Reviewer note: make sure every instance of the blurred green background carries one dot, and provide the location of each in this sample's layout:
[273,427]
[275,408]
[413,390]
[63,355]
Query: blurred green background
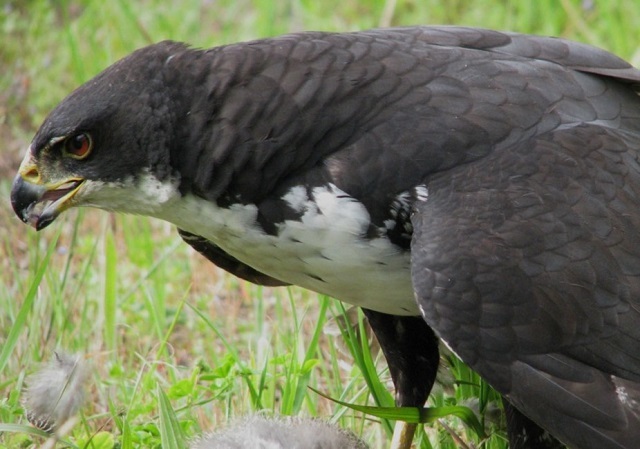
[152,316]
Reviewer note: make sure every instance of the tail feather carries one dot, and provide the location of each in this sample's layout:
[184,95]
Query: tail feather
[603,413]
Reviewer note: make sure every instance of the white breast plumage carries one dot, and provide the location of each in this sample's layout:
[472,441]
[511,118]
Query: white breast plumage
[325,250]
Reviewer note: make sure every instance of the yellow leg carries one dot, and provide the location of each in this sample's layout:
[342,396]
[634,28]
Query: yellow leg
[403,434]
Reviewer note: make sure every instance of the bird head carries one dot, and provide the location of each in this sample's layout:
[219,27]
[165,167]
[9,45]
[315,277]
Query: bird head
[103,137]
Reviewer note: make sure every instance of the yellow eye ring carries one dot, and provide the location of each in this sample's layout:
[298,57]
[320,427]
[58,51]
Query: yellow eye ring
[78,146]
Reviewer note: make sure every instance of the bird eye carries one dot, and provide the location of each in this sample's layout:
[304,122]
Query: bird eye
[78,146]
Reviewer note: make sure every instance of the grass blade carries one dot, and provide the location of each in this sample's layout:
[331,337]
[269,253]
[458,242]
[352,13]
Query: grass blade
[170,431]
[23,314]
[312,348]
[110,300]
[416,414]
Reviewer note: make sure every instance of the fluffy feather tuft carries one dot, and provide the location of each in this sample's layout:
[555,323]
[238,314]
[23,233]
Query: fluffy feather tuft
[56,392]
[259,432]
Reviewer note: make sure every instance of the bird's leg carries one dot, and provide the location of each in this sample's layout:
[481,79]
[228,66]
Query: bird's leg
[526,434]
[411,350]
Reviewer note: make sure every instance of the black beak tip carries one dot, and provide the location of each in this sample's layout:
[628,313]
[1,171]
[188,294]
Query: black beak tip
[43,222]
[17,198]
[24,196]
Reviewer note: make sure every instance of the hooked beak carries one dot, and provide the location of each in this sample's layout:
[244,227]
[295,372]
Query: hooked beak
[36,203]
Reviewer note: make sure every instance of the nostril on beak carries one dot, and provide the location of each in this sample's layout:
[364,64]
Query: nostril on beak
[31,174]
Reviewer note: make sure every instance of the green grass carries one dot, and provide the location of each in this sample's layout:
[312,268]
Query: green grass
[176,346]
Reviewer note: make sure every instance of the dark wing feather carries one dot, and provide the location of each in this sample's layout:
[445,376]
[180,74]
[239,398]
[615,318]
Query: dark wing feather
[527,263]
[312,108]
[228,263]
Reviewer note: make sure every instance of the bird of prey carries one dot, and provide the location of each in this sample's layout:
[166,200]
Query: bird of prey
[478,186]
